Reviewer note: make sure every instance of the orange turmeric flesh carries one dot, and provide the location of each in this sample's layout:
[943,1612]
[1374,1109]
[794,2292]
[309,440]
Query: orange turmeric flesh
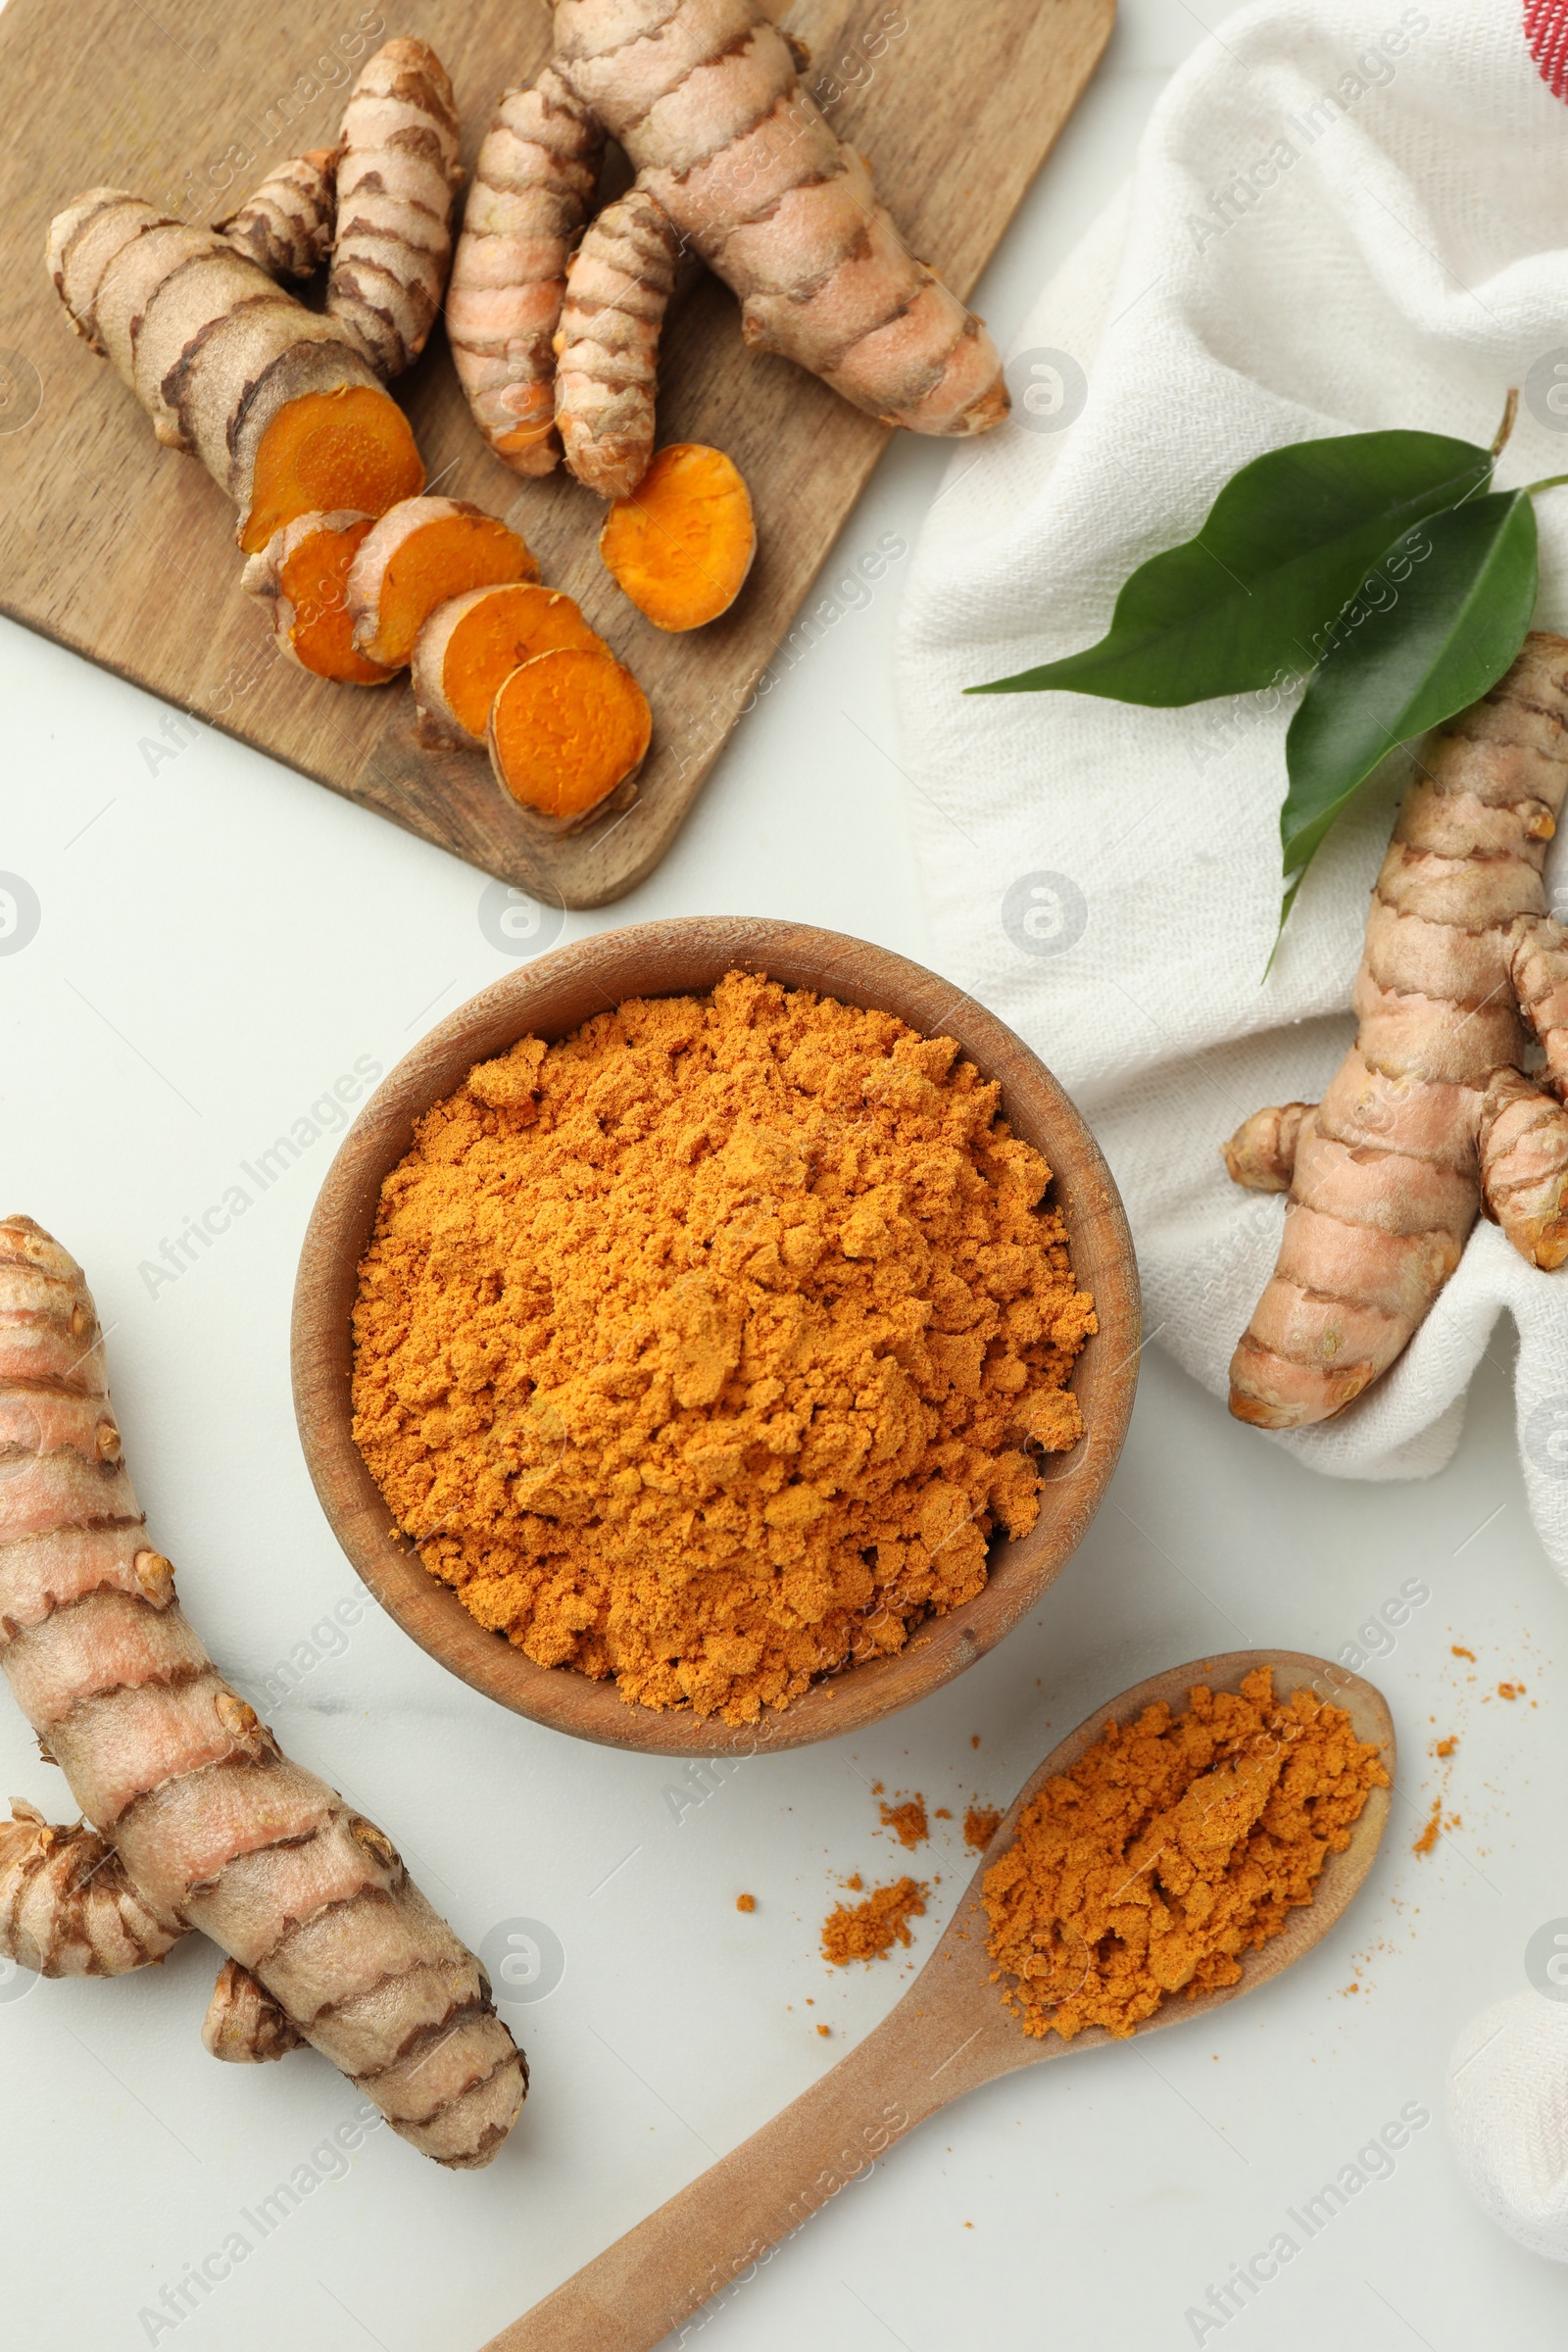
[501,629]
[567,728]
[325,450]
[404,574]
[682,544]
[1173,1846]
[315,579]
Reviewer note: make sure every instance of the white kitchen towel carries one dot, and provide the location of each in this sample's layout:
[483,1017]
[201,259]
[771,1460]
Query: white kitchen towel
[1508,2113]
[1338,222]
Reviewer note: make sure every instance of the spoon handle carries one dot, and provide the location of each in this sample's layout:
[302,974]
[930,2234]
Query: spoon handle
[714,2236]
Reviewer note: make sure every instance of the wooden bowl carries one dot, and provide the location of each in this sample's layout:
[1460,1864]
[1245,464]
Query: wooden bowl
[548,998]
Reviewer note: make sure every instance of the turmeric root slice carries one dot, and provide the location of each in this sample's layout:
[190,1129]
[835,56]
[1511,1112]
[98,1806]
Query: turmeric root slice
[681,546]
[421,553]
[567,729]
[304,571]
[328,451]
[472,644]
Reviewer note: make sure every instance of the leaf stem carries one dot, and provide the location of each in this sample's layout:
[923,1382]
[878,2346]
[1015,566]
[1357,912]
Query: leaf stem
[1552,481]
[1510,411]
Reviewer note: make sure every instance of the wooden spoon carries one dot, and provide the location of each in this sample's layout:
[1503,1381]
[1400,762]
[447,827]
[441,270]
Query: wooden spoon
[948,2034]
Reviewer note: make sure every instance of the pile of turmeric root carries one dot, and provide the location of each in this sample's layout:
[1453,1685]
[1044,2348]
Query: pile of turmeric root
[554,320]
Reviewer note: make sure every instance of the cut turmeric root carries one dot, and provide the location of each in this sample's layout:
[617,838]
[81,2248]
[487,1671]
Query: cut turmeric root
[421,553]
[326,451]
[472,644]
[283,405]
[279,403]
[566,730]
[304,570]
[682,544]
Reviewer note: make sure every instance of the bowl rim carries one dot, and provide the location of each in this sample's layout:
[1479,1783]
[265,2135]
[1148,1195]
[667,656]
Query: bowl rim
[550,996]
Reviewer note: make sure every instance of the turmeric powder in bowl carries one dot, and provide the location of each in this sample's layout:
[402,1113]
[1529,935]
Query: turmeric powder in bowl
[1173,1846]
[706,1348]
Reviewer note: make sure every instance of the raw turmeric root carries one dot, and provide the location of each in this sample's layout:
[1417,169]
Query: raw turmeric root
[396,177]
[1262,1153]
[198,1820]
[617,286]
[421,554]
[304,571]
[704,97]
[244,2026]
[67,1908]
[280,404]
[533,186]
[286,226]
[1431,1116]
[566,730]
[472,644]
[682,544]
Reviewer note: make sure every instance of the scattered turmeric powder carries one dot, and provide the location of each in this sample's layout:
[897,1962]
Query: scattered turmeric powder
[746,1903]
[1510,1689]
[868,1931]
[1445,1748]
[1429,1836]
[1171,1846]
[706,1349]
[907,1822]
[980,1825]
[1458,1649]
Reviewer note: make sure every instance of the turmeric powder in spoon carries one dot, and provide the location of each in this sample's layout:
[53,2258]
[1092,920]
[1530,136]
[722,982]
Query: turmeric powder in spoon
[1174,1844]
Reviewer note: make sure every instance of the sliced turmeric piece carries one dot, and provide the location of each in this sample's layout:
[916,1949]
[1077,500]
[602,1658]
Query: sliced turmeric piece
[473,642]
[682,544]
[421,553]
[230,367]
[304,571]
[565,730]
[325,450]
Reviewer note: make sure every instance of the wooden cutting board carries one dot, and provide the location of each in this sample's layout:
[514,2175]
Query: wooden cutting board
[124,551]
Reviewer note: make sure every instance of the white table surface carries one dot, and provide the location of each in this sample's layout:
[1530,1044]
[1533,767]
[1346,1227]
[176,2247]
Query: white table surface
[220,940]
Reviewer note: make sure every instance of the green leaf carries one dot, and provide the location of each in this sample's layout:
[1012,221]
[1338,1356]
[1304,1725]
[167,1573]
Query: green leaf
[1287,543]
[1432,630]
